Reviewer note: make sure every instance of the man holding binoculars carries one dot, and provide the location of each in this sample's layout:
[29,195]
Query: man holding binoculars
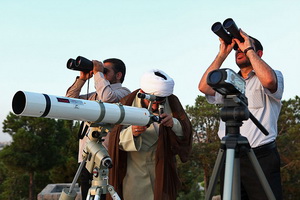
[108,79]
[264,89]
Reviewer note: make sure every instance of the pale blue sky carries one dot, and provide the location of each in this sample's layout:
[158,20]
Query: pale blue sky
[38,37]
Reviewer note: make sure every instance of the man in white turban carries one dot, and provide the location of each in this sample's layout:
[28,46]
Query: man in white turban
[144,156]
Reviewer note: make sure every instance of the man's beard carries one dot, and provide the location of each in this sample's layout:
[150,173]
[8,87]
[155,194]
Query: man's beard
[114,80]
[244,64]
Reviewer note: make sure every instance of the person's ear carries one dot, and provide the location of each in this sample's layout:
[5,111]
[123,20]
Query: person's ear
[119,75]
[259,53]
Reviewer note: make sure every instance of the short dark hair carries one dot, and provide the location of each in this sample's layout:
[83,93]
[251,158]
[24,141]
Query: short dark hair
[119,66]
[257,44]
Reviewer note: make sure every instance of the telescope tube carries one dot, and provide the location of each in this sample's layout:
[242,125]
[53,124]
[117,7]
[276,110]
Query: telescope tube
[50,106]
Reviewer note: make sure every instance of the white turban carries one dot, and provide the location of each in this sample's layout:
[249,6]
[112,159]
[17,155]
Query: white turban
[157,82]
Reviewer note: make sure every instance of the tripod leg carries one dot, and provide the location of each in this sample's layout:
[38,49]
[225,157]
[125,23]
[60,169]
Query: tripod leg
[88,196]
[236,189]
[228,181]
[260,174]
[114,195]
[215,174]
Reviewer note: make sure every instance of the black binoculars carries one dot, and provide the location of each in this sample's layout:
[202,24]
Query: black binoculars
[227,31]
[80,64]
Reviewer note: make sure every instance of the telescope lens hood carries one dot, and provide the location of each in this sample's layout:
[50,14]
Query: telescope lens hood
[19,102]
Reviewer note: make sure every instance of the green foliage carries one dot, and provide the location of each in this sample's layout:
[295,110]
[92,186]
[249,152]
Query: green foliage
[205,121]
[15,186]
[39,145]
[289,147]
[36,144]
[65,172]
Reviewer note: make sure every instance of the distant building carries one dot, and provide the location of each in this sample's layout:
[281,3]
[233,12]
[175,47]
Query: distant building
[3,144]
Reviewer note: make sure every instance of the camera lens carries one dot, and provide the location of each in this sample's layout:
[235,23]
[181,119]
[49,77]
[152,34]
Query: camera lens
[214,77]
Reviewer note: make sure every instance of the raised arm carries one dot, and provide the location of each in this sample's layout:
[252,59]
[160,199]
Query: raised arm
[216,64]
[263,71]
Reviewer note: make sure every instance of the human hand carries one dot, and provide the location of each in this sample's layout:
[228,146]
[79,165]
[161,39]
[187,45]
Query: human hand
[225,48]
[167,120]
[137,130]
[247,43]
[98,66]
[85,75]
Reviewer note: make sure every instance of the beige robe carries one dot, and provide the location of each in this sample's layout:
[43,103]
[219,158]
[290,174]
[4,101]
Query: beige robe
[139,180]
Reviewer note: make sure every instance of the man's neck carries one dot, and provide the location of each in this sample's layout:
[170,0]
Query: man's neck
[245,71]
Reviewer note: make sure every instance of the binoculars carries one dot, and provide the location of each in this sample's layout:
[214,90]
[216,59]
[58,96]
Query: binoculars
[80,64]
[227,31]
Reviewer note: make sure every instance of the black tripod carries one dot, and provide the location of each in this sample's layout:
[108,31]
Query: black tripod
[233,113]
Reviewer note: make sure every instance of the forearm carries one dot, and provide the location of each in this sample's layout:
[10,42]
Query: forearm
[104,90]
[177,128]
[263,71]
[216,64]
[128,142]
[74,90]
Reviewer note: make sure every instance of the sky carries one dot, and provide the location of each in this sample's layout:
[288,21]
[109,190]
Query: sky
[38,38]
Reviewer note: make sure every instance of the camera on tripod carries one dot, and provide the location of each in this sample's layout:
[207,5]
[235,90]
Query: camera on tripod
[226,82]
[232,86]
[227,31]
[233,113]
[81,64]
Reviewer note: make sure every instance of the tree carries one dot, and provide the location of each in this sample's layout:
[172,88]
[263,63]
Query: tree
[205,121]
[70,153]
[289,147]
[36,145]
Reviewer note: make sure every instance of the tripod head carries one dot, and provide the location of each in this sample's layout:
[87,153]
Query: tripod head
[234,112]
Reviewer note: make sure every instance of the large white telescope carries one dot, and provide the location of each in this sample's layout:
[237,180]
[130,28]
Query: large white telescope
[58,107]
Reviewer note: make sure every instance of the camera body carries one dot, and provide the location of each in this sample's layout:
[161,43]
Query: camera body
[226,82]
[227,31]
